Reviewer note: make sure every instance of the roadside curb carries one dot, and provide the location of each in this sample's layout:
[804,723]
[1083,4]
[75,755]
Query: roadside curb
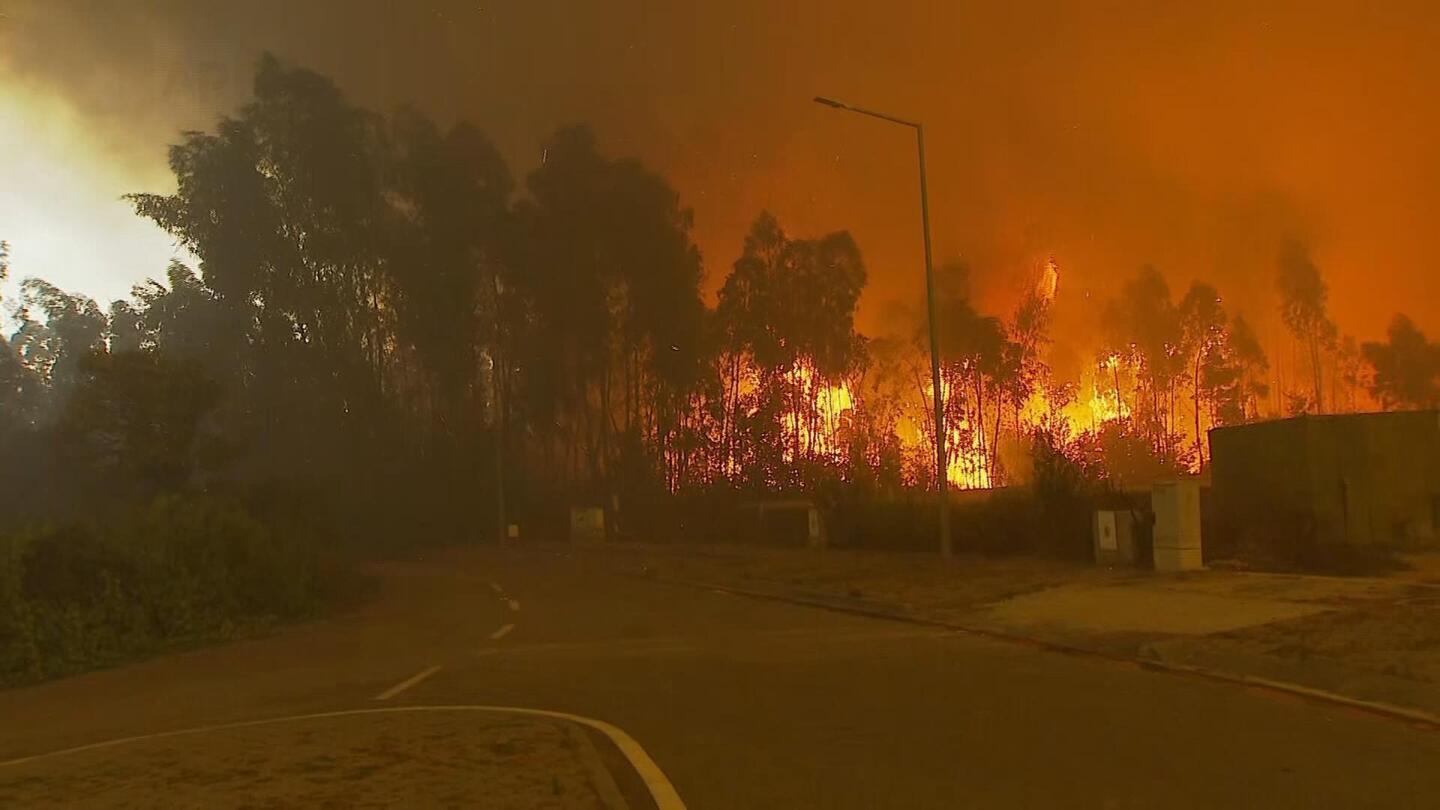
[1413,717]
[601,778]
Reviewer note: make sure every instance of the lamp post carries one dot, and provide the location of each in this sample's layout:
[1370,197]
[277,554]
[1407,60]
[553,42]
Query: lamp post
[940,466]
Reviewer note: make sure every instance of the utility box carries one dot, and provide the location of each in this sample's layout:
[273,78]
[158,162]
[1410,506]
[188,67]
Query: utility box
[815,528]
[587,524]
[1115,542]
[1177,525]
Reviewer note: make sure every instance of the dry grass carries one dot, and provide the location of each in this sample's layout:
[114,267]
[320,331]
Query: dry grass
[425,759]
[1399,637]
[1389,625]
[914,581]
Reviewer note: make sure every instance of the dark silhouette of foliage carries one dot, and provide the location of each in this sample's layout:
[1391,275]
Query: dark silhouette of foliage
[74,326]
[616,342]
[16,382]
[1145,329]
[1246,353]
[284,206]
[1303,308]
[136,422]
[1406,367]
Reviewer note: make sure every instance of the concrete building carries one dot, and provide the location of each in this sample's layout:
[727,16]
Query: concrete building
[1367,478]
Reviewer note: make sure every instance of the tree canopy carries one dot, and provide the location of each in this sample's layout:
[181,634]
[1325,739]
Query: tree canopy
[1406,367]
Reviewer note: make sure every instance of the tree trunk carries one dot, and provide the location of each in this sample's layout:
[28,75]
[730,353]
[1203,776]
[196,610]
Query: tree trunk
[1199,449]
[995,453]
[604,454]
[1119,403]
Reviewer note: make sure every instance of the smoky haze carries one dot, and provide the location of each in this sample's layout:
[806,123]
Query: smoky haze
[1195,137]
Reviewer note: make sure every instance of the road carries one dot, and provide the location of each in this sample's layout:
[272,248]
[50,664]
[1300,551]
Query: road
[755,704]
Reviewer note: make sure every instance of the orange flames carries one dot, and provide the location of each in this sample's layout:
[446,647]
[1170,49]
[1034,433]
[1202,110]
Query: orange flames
[818,425]
[987,435]
[1049,282]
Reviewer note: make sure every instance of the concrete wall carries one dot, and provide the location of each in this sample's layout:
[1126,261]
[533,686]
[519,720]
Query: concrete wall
[1364,478]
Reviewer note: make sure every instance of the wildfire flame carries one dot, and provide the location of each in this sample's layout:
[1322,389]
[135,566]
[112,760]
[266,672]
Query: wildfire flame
[819,430]
[820,412]
[1049,282]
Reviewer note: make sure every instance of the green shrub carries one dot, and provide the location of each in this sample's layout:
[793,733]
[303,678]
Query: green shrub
[65,603]
[209,564]
[18,649]
[178,569]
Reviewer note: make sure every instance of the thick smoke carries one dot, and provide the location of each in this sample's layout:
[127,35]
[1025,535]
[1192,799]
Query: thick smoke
[1194,137]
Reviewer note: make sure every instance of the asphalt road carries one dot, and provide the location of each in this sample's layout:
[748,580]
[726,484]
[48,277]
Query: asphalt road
[755,704]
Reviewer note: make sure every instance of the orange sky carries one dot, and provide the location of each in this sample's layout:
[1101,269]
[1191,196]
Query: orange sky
[1192,136]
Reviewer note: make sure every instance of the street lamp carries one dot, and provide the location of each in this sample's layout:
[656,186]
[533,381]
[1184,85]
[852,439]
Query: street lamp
[940,471]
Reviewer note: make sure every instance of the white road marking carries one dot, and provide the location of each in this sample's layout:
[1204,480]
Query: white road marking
[407,683]
[655,781]
[502,632]
[513,604]
[608,649]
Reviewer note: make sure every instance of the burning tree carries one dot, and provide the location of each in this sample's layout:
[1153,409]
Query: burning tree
[790,352]
[976,360]
[1164,359]
[1146,334]
[1202,324]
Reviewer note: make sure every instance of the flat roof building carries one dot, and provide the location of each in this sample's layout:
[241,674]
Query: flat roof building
[1365,478]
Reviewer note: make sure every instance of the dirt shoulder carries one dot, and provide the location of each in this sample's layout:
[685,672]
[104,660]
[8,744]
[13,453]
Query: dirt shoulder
[1375,639]
[941,587]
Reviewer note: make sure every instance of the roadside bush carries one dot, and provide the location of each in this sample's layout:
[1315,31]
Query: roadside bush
[1068,486]
[1051,516]
[1006,522]
[178,569]
[207,565]
[887,524]
[18,648]
[996,522]
[709,515]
